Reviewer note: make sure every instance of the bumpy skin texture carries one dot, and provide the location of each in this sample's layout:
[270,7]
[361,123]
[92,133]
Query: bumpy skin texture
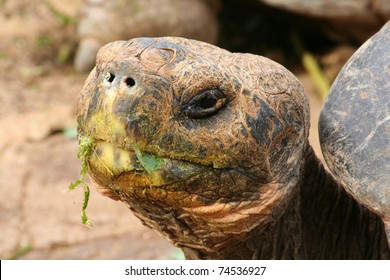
[233,174]
[355,125]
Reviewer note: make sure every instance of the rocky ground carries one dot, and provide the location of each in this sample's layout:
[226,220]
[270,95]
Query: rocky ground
[38,148]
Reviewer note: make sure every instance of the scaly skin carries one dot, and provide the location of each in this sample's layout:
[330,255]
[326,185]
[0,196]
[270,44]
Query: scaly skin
[233,173]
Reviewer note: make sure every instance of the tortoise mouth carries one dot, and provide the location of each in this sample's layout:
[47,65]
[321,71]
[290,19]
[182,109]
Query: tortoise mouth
[111,165]
[217,198]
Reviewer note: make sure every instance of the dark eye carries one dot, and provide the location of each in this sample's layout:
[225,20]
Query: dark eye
[205,104]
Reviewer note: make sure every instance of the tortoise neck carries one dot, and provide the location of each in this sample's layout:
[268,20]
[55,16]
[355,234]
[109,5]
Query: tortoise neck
[279,238]
[321,221]
[282,237]
[334,225]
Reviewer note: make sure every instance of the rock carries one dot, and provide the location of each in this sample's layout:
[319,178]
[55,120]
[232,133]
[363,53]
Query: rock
[103,21]
[354,20]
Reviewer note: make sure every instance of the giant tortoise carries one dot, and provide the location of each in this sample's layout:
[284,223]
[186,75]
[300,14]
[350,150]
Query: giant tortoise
[210,148]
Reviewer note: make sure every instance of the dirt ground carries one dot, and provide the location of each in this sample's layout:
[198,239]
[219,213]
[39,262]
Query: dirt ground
[38,148]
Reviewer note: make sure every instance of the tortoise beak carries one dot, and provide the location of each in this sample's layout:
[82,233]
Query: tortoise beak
[110,165]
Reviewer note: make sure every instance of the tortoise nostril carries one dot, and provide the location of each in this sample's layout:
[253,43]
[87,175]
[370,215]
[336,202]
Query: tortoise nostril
[110,77]
[130,82]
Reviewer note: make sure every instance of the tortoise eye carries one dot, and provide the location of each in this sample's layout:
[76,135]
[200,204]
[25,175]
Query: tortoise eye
[205,104]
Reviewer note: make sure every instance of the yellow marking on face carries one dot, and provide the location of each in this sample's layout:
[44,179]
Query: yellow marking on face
[111,161]
[103,123]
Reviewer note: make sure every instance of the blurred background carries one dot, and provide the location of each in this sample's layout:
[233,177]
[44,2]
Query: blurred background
[47,48]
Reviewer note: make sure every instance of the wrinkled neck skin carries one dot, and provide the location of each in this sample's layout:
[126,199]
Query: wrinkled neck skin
[321,222]
[278,239]
[334,225]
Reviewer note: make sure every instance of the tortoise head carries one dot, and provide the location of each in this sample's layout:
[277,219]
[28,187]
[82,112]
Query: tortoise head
[202,144]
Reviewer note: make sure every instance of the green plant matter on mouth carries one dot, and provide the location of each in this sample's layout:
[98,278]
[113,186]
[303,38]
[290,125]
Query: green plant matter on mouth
[86,144]
[149,162]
